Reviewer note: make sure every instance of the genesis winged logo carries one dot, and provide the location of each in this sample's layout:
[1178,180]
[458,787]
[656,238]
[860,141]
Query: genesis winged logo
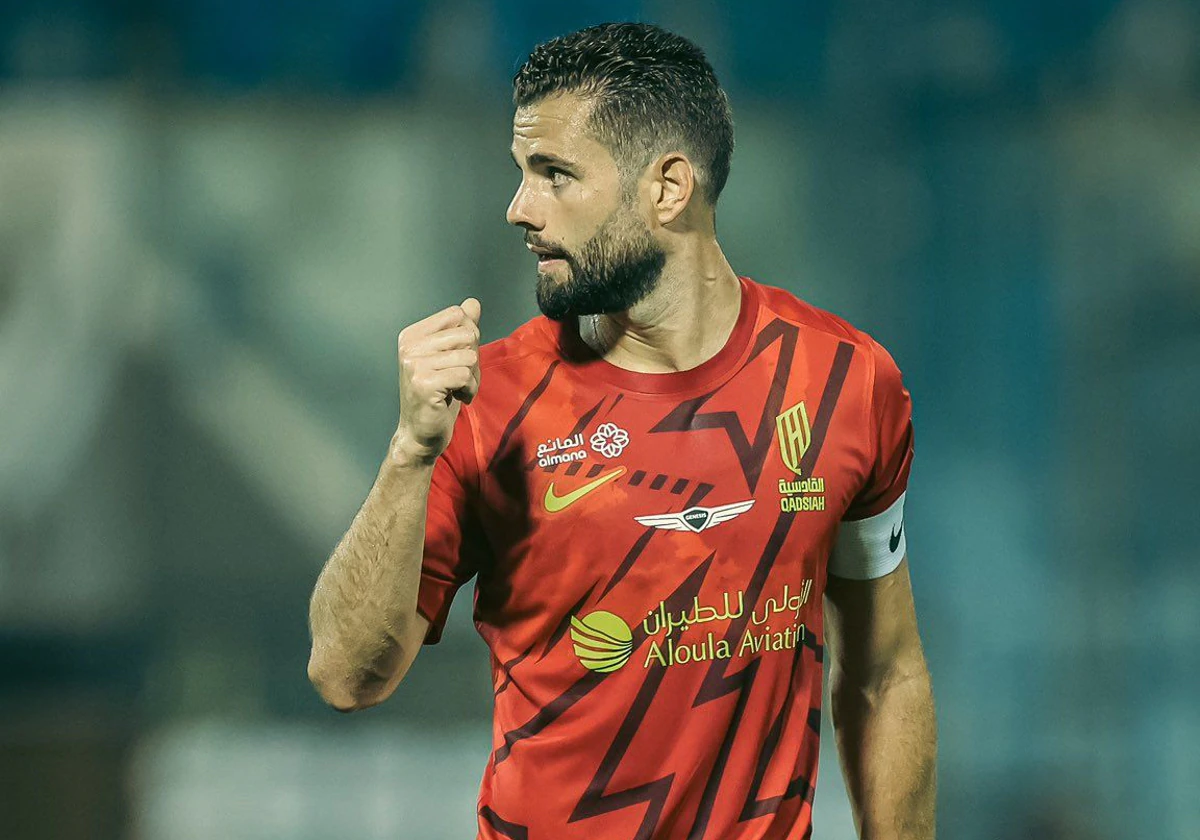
[696,519]
[795,435]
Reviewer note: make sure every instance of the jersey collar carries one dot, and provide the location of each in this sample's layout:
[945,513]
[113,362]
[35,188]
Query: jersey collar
[709,373]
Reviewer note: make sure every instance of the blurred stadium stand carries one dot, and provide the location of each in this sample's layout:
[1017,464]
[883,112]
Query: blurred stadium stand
[215,217]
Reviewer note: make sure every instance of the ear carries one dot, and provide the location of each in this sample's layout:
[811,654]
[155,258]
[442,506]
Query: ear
[673,186]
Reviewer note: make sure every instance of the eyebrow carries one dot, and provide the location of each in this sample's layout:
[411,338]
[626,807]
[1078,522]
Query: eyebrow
[543,159]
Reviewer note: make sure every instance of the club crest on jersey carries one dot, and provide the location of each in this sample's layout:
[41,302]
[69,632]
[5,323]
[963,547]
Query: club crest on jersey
[610,440]
[696,519]
[795,435]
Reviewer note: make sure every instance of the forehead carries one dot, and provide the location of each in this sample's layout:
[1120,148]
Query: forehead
[559,125]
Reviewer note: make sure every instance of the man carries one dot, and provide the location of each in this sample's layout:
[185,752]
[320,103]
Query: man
[655,487]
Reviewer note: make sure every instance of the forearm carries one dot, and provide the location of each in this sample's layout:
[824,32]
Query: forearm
[367,593]
[887,739]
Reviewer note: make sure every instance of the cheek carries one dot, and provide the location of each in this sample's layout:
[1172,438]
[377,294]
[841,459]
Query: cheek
[592,210]
[578,213]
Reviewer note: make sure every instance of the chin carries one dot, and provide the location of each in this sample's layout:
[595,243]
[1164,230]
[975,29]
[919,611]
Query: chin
[560,270]
[553,279]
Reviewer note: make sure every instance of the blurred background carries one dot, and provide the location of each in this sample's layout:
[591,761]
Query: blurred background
[215,217]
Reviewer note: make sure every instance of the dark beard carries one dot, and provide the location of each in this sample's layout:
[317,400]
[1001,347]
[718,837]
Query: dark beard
[612,272]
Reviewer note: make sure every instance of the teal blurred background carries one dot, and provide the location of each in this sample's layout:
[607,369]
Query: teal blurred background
[215,216]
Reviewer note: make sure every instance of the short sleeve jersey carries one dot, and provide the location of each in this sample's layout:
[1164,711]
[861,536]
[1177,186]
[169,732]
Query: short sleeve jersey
[650,553]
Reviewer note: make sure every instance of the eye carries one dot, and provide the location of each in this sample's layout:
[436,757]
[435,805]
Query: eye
[558,178]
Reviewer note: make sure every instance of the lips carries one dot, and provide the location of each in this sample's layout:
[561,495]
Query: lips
[546,253]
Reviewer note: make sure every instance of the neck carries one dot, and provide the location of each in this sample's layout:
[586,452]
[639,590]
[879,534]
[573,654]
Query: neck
[683,323]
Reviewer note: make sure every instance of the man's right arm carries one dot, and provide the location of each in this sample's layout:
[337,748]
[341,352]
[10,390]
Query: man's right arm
[366,630]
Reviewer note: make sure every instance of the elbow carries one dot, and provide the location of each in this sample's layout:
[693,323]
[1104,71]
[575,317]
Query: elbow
[853,696]
[342,690]
[351,678]
[333,688]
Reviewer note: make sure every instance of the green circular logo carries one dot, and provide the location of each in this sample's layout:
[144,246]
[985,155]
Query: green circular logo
[603,641]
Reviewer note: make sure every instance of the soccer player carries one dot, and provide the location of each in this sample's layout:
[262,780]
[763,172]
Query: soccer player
[676,491]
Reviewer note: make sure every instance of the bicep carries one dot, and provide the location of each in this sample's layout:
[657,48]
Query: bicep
[871,625]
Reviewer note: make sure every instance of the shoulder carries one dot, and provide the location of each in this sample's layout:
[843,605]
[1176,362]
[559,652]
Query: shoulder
[533,342]
[513,368]
[792,309]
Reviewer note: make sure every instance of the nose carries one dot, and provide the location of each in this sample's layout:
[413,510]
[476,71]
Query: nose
[520,210]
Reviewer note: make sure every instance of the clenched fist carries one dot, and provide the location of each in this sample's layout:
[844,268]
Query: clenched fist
[439,371]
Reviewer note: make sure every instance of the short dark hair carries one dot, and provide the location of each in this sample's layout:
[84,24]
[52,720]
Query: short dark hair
[652,91]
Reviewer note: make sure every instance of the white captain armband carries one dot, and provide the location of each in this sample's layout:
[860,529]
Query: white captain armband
[872,547]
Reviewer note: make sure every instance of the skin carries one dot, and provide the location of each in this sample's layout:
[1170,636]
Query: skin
[366,630]
[881,699]
[570,184]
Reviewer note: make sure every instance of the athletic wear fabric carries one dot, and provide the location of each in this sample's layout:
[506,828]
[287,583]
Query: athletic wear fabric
[650,552]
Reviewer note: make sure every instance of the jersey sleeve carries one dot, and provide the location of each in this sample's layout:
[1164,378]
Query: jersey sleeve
[871,540]
[454,544]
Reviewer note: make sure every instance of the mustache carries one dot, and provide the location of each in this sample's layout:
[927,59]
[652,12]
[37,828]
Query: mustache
[556,250]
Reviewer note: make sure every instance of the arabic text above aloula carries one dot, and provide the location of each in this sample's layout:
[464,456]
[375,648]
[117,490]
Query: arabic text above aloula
[661,618]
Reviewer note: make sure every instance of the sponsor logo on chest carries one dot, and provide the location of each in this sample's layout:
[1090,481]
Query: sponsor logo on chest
[696,519]
[603,641]
[608,440]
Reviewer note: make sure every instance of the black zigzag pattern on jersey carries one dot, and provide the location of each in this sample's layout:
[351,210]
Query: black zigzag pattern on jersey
[801,785]
[595,802]
[555,709]
[503,826]
[751,454]
[717,683]
[546,715]
[517,419]
[561,630]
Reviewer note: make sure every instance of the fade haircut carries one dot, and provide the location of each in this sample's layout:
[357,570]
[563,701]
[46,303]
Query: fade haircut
[652,91]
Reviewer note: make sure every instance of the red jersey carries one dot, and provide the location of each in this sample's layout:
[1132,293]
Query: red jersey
[650,553]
